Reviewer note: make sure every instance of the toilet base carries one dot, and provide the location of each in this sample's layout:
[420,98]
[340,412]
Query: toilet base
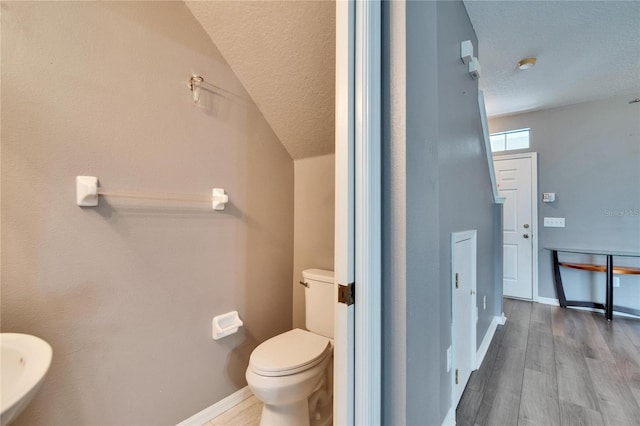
[286,415]
[296,415]
[324,416]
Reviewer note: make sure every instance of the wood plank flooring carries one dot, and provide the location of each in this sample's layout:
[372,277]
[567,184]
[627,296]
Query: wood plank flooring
[552,366]
[247,413]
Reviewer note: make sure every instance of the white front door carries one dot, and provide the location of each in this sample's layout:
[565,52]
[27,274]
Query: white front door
[463,283]
[515,181]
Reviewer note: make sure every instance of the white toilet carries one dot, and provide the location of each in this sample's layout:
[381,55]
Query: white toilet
[292,373]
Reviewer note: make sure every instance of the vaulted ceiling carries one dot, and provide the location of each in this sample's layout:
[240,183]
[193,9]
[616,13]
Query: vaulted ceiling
[283,52]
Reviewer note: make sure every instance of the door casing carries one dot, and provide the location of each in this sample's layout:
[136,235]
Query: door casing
[358,327]
[533,156]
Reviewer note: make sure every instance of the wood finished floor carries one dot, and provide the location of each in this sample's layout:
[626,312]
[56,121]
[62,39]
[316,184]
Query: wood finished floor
[247,413]
[552,366]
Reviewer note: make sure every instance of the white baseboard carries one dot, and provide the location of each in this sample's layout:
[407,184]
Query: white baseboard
[218,408]
[450,419]
[486,341]
[502,319]
[548,301]
[554,302]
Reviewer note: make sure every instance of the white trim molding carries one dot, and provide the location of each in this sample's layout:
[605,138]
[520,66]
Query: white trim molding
[218,408]
[486,341]
[502,319]
[368,220]
[344,253]
[548,301]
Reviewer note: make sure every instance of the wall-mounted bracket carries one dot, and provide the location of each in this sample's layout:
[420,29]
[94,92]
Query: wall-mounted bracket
[474,68]
[87,191]
[466,51]
[219,198]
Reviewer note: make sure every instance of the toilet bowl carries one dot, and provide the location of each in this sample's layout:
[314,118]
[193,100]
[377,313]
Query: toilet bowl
[291,374]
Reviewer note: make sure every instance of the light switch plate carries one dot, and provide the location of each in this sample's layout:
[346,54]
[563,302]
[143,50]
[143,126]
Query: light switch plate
[554,222]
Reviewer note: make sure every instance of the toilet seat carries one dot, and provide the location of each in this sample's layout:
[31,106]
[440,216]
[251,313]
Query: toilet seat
[289,353]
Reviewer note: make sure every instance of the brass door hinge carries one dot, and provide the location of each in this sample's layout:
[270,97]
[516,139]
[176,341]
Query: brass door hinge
[346,294]
[456,280]
[456,376]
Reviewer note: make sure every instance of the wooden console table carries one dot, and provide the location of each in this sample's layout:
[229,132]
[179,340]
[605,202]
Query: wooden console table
[609,269]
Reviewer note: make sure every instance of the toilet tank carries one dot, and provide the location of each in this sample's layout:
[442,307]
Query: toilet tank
[318,300]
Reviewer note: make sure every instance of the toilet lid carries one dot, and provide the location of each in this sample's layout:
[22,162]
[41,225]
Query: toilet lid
[289,353]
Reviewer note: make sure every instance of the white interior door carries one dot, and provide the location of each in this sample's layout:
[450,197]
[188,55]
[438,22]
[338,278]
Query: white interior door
[344,264]
[464,309]
[515,182]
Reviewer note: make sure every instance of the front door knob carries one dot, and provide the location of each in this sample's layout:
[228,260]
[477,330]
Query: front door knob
[525,236]
[526,226]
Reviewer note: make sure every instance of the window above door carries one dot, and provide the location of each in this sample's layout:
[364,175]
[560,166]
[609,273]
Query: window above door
[509,141]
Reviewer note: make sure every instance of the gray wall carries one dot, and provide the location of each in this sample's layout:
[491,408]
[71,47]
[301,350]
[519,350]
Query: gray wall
[589,155]
[443,174]
[125,292]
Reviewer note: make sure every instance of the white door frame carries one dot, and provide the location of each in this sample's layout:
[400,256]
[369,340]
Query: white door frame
[455,238]
[344,253]
[368,222]
[533,156]
[358,360]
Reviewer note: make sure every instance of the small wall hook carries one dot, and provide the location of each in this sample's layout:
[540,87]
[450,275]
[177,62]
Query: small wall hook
[194,84]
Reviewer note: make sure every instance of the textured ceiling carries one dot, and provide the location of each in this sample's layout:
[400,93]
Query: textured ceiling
[284,54]
[586,50]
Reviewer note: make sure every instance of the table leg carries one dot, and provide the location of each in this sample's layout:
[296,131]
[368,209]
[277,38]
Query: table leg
[609,302]
[558,280]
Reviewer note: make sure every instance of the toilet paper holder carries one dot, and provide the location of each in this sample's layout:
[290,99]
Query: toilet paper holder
[226,324]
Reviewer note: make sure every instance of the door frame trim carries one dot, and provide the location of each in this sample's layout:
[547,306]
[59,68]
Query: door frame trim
[368,214]
[533,156]
[358,210]
[457,237]
[344,254]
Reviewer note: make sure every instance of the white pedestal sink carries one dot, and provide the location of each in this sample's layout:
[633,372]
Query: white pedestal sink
[24,361]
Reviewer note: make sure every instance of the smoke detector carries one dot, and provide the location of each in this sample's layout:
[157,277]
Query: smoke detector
[526,63]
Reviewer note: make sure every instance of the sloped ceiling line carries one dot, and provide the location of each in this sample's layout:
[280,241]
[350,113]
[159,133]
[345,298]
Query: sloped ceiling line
[283,52]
